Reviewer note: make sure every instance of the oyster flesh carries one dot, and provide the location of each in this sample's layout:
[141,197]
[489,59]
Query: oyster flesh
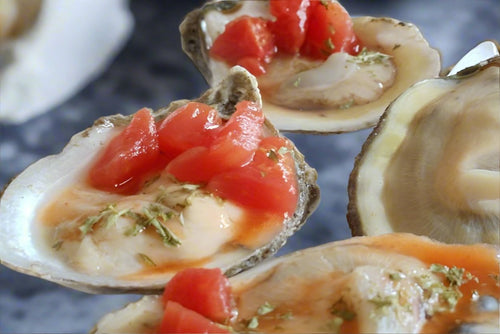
[396,283]
[341,94]
[49,215]
[431,166]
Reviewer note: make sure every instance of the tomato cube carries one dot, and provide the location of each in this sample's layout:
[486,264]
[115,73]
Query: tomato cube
[245,38]
[178,319]
[129,157]
[205,291]
[330,30]
[289,26]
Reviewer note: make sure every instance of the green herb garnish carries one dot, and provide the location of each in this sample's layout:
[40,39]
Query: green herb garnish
[369,57]
[146,259]
[108,215]
[265,308]
[341,310]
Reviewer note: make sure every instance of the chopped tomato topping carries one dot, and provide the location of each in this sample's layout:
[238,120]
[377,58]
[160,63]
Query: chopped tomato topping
[245,39]
[330,30]
[194,124]
[129,158]
[268,183]
[289,27]
[233,147]
[178,319]
[205,291]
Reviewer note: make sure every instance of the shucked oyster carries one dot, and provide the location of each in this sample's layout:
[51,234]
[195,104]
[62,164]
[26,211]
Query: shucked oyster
[55,226]
[342,93]
[431,166]
[396,283]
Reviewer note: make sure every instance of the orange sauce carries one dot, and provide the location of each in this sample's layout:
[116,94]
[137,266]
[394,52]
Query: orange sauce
[482,261]
[165,268]
[256,228]
[59,210]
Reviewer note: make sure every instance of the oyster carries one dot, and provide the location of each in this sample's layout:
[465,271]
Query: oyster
[17,17]
[33,77]
[27,217]
[396,283]
[431,166]
[343,93]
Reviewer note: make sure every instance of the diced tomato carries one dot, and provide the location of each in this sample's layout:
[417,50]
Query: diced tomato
[129,157]
[268,183]
[253,65]
[330,30]
[245,38]
[194,124]
[205,291]
[233,147]
[178,319]
[289,27]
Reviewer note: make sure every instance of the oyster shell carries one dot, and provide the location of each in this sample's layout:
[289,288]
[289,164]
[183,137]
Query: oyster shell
[431,166]
[396,283]
[33,77]
[24,249]
[406,52]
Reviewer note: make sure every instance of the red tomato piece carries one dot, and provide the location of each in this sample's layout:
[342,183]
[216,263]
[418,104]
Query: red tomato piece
[245,37]
[194,124]
[205,291]
[289,28]
[178,319]
[268,183]
[330,30]
[253,65]
[233,147]
[129,157]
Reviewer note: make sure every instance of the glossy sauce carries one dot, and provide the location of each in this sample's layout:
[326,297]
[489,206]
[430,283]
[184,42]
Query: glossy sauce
[309,301]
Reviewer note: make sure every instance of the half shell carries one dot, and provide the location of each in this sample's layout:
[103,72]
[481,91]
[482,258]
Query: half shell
[410,54]
[396,283]
[431,166]
[22,249]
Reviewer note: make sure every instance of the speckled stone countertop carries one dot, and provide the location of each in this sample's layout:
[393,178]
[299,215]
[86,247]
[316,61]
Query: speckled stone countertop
[151,71]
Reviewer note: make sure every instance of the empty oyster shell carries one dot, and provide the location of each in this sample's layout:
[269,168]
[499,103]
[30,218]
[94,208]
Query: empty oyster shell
[407,58]
[396,283]
[25,249]
[431,166]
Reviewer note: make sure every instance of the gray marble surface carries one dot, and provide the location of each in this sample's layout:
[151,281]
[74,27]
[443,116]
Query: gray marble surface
[151,71]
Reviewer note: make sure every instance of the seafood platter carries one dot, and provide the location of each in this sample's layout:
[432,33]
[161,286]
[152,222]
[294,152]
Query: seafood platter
[188,205]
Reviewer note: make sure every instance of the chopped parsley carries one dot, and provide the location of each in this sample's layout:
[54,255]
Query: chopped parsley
[153,216]
[341,310]
[369,57]
[57,245]
[264,312]
[381,302]
[146,259]
[455,276]
[265,308]
[108,215]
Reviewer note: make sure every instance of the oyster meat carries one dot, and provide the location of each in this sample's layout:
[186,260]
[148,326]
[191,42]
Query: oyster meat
[57,227]
[344,92]
[431,166]
[395,283]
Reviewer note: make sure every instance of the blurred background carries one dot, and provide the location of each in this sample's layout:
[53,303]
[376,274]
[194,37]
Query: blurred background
[151,70]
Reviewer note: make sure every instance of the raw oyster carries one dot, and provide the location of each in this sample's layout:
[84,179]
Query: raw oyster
[33,77]
[23,247]
[338,95]
[396,283]
[431,166]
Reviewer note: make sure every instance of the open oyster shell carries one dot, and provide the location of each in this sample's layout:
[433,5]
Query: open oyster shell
[431,166]
[396,283]
[408,51]
[21,247]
